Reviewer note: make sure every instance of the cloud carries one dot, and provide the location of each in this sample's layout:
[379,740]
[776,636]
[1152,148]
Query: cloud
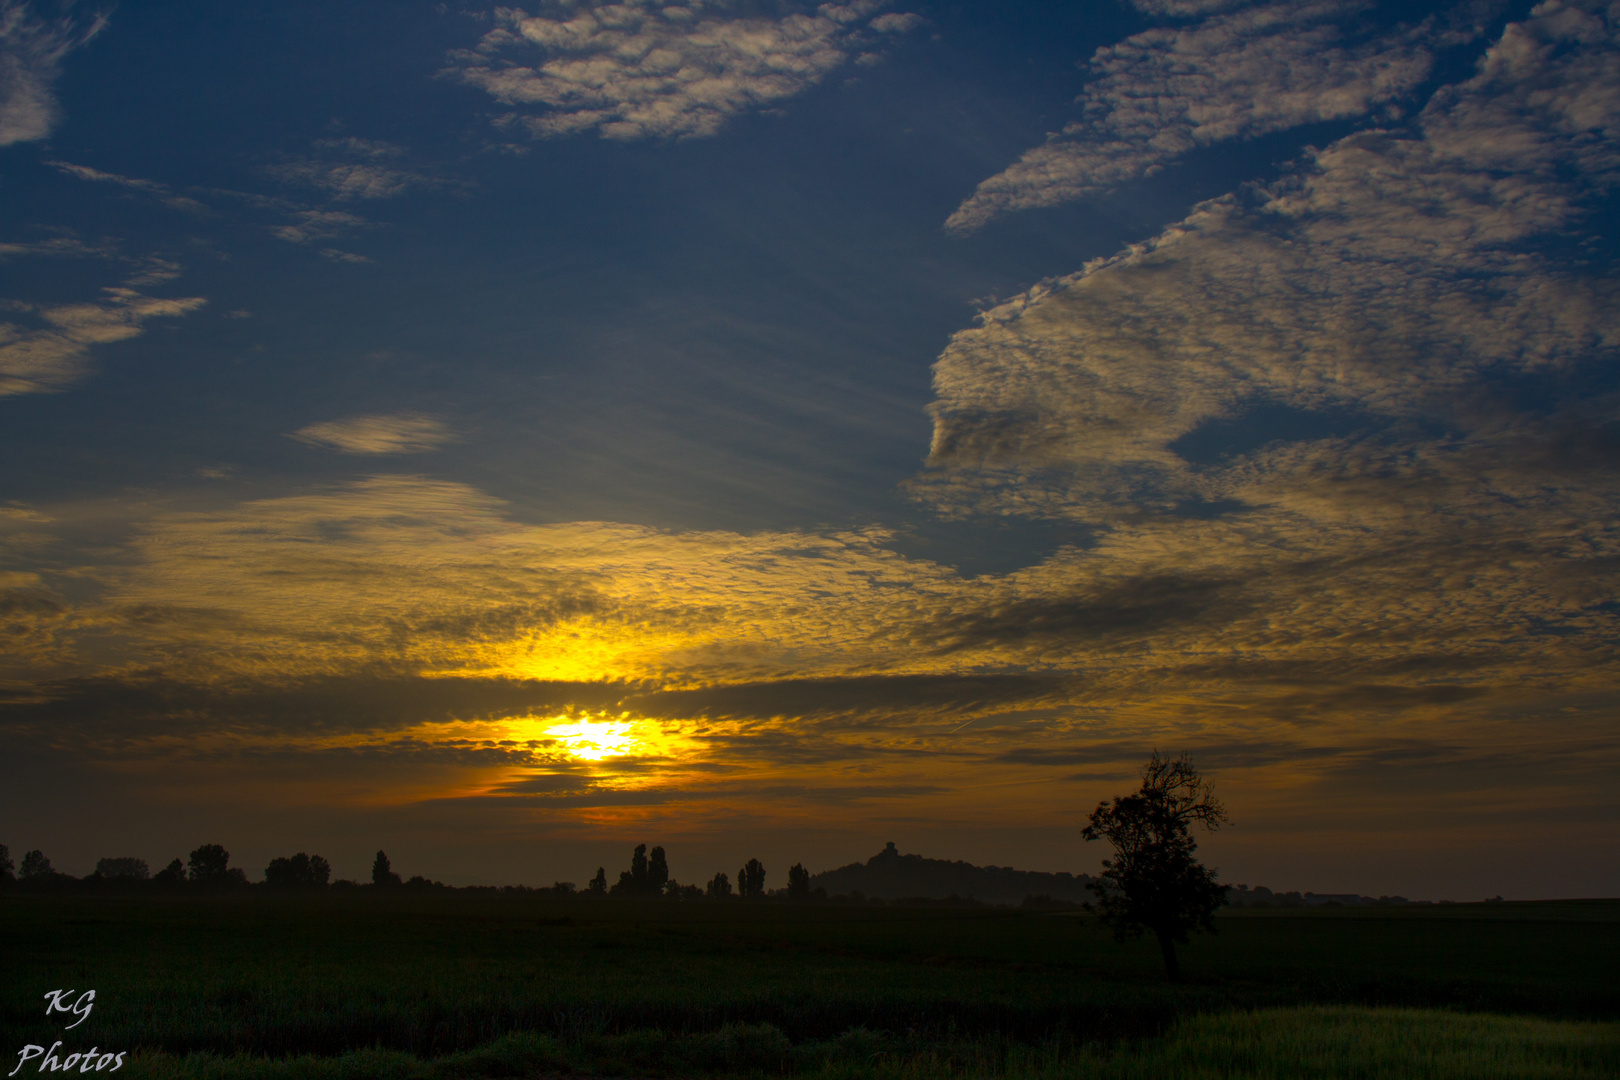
[1182,9]
[869,695]
[414,641]
[1234,76]
[162,192]
[898,23]
[352,168]
[128,704]
[51,351]
[641,69]
[1410,551]
[32,620]
[393,433]
[1367,310]
[1394,276]
[54,353]
[310,225]
[31,52]
[59,247]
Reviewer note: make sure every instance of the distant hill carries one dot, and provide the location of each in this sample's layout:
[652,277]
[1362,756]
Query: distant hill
[889,875]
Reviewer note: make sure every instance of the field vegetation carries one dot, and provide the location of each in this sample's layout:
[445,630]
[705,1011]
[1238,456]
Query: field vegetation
[363,983]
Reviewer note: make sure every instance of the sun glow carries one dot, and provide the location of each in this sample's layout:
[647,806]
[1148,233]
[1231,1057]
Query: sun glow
[594,740]
[597,738]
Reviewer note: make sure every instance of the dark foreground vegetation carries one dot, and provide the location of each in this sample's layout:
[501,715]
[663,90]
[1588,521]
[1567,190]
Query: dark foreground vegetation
[401,984]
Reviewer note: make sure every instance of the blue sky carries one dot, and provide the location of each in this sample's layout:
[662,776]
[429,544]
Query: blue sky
[859,418]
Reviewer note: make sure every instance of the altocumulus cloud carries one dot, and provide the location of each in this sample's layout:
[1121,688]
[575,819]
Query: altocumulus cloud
[1395,276]
[1235,75]
[31,52]
[640,69]
[387,433]
[1379,297]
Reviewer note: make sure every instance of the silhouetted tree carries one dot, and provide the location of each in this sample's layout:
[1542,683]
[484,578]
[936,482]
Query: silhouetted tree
[209,865]
[382,872]
[123,868]
[1153,883]
[7,867]
[35,865]
[798,882]
[657,872]
[598,884]
[638,869]
[300,871]
[648,875]
[634,880]
[719,888]
[173,874]
[751,880]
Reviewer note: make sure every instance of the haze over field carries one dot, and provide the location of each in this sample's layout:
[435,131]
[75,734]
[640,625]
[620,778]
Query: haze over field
[506,435]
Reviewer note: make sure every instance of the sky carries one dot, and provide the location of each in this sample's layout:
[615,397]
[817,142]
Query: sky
[505,435]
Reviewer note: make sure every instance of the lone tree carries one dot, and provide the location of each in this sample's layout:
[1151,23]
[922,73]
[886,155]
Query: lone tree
[1153,883]
[798,882]
[598,885]
[35,865]
[719,887]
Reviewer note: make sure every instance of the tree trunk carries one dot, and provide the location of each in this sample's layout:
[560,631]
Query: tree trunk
[1167,945]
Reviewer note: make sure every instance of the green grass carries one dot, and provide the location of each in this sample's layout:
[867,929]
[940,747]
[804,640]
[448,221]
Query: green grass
[414,986]
[1327,1043]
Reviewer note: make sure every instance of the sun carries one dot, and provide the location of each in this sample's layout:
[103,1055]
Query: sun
[593,740]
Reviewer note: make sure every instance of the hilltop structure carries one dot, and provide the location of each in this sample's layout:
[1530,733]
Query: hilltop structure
[889,875]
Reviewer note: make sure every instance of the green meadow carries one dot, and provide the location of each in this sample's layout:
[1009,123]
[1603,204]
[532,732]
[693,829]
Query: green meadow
[459,985]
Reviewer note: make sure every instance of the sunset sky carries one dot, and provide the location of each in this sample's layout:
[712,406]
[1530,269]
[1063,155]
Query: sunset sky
[503,435]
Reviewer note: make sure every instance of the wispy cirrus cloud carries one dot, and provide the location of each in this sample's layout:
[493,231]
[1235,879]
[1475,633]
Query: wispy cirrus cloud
[641,69]
[1233,76]
[1183,9]
[53,353]
[384,433]
[50,351]
[310,225]
[59,247]
[31,50]
[162,192]
[351,168]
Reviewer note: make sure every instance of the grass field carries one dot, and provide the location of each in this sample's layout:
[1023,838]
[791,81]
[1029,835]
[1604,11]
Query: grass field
[463,985]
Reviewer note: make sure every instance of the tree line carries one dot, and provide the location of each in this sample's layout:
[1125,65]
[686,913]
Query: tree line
[648,878]
[209,867]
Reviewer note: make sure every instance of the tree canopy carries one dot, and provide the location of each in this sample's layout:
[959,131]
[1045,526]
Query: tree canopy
[1153,882]
[299,871]
[751,880]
